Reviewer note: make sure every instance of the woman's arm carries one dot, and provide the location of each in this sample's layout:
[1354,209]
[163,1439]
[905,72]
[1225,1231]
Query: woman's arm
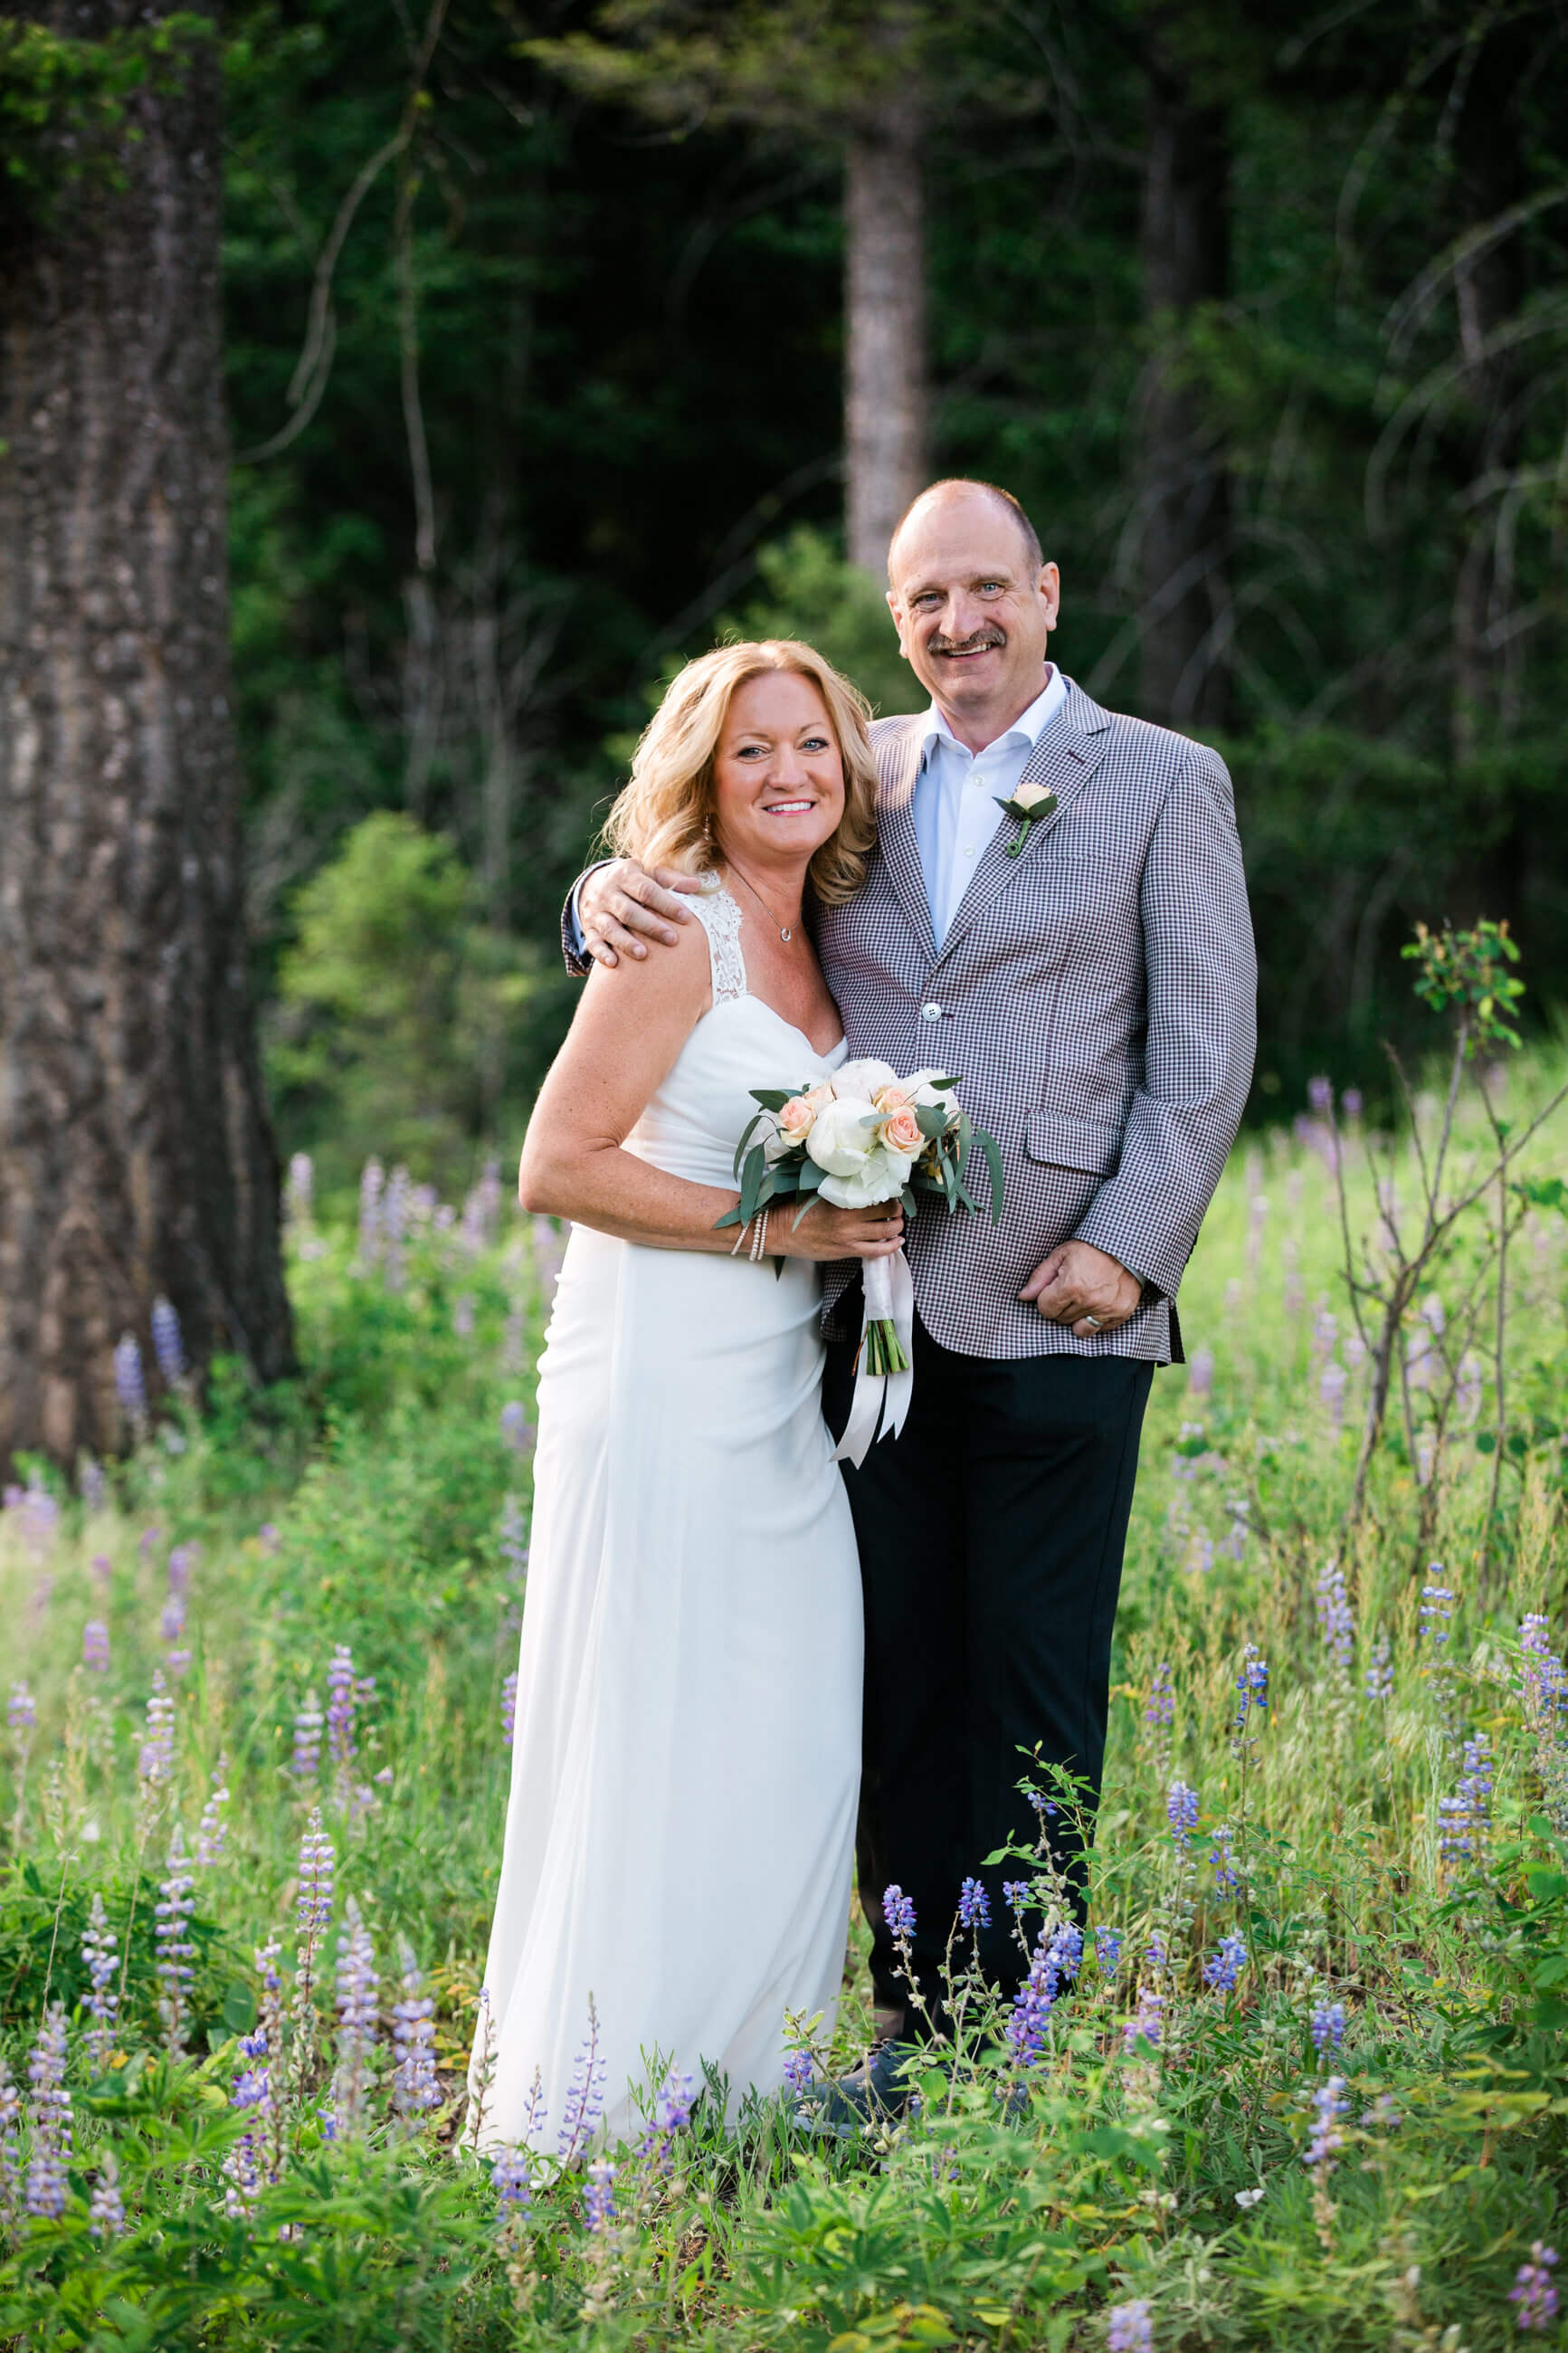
[628,1031]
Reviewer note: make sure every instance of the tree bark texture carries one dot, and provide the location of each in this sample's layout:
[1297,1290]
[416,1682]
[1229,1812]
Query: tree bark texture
[885,392]
[1182,487]
[135,1152]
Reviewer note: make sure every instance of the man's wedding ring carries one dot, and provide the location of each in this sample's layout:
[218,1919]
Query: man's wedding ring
[1094,1323]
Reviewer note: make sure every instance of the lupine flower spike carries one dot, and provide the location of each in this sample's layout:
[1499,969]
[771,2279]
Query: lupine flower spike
[1534,2292]
[358,2021]
[1129,2329]
[414,2084]
[50,2115]
[172,1915]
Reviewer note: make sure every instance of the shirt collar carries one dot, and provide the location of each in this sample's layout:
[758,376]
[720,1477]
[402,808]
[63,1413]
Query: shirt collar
[1027,728]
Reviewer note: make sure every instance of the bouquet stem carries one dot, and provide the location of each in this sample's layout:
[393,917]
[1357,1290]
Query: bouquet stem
[884,1349]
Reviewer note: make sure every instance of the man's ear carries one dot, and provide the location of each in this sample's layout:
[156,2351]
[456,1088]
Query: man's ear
[893,609]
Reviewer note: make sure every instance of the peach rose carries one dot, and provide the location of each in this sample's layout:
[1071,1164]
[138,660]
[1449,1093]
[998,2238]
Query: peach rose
[902,1132]
[796,1116]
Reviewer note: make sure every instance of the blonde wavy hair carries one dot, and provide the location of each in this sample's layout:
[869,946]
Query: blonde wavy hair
[665,814]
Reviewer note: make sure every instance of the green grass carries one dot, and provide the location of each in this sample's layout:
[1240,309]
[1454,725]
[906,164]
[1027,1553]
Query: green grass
[366,1508]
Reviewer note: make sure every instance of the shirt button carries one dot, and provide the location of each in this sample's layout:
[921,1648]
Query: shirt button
[930,1013]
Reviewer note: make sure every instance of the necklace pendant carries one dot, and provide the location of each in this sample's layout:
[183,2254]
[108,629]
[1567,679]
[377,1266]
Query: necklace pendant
[785,933]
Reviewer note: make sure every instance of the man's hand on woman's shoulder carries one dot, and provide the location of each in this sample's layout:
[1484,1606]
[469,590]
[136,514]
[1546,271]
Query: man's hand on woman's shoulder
[621,907]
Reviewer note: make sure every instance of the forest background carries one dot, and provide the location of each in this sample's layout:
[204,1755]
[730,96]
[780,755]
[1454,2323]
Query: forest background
[1260,311]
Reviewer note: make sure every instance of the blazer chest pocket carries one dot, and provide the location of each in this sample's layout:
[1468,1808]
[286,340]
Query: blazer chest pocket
[1058,1140]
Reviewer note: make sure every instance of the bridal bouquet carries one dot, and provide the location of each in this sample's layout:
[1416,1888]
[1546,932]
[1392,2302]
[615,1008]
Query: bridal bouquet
[861,1137]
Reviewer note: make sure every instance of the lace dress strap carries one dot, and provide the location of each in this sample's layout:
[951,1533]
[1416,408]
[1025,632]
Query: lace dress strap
[720,916]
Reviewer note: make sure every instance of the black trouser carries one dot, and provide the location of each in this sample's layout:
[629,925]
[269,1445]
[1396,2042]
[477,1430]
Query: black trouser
[990,1537]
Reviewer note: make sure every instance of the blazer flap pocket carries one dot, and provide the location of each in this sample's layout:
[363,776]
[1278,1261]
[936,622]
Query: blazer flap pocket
[1060,1141]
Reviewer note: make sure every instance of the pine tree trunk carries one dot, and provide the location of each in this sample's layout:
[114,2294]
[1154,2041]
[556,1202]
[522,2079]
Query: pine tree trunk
[135,1153]
[1184,490]
[885,393]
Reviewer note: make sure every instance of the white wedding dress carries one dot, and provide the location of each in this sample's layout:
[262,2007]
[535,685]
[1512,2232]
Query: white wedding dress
[687,1752]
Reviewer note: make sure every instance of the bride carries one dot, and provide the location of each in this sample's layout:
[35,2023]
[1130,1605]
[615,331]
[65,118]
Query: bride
[687,1751]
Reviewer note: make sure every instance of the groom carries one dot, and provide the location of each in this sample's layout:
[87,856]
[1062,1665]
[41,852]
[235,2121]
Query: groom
[1092,988]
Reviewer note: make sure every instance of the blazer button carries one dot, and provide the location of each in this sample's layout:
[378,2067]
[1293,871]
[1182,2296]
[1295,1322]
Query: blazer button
[930,1013]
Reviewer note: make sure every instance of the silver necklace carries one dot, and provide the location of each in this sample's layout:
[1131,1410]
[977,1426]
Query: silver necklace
[785,931]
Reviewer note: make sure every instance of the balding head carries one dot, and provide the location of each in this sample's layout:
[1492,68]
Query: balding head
[957,490]
[974,606]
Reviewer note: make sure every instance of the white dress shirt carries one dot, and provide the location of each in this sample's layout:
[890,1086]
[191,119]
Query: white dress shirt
[955,807]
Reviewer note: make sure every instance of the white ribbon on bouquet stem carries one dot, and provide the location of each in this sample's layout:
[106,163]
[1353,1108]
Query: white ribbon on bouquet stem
[882,1397]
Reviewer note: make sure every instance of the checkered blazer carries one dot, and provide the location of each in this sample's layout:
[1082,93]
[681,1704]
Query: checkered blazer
[1096,997]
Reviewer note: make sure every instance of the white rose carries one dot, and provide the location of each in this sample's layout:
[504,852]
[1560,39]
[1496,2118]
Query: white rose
[882,1178]
[1029,796]
[841,1140]
[863,1078]
[921,1089]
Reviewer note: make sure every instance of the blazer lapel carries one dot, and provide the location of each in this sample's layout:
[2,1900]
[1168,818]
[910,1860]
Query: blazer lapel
[897,766]
[1064,760]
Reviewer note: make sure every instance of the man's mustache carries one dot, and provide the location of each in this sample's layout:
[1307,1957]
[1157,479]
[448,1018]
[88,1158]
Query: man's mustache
[981,638]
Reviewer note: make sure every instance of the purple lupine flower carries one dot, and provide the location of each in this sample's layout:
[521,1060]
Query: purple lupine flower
[106,2209]
[1328,2107]
[147,1543]
[1129,2328]
[21,1711]
[672,2113]
[1382,2113]
[1182,1813]
[1015,1894]
[516,1429]
[1029,2020]
[1332,1383]
[306,1761]
[512,1541]
[167,1345]
[183,1560]
[974,1906]
[1328,2026]
[1336,1620]
[299,1192]
[599,2199]
[156,1762]
[358,2020]
[340,1704]
[584,2096]
[1437,1611]
[178,1663]
[1465,1818]
[38,1513]
[1159,1708]
[1222,1860]
[212,1831]
[1225,1965]
[1540,1670]
[95,1646]
[312,1911]
[241,2171]
[130,1385]
[898,1912]
[1200,1372]
[171,1623]
[1145,2021]
[1251,1692]
[103,1569]
[1156,1955]
[1379,1683]
[509,1710]
[1534,2291]
[50,2117]
[371,1186]
[509,2178]
[93,1485]
[414,2084]
[798,2070]
[1107,1951]
[1321,1096]
[1351,1103]
[171,1917]
[10,2144]
[98,1950]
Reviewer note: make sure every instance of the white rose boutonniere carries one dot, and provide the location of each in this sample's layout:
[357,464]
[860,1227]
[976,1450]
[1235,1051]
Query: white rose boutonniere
[1028,805]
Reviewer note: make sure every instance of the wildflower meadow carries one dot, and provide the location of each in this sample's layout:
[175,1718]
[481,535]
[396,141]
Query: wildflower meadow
[1302,2080]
